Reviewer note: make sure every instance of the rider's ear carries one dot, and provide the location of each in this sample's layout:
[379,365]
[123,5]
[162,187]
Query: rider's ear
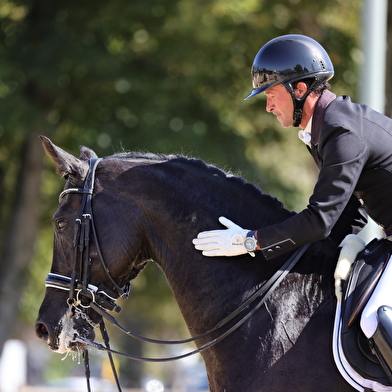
[86,153]
[300,89]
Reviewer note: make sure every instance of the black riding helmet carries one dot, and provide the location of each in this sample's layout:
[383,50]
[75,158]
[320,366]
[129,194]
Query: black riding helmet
[288,59]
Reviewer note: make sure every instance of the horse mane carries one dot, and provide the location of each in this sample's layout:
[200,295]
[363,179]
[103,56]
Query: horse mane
[193,163]
[144,156]
[198,165]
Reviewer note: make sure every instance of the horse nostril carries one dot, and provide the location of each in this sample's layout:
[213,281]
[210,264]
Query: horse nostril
[41,331]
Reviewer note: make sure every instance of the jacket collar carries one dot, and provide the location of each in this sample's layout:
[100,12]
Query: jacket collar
[325,99]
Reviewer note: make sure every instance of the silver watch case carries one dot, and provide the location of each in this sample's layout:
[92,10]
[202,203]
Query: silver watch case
[250,244]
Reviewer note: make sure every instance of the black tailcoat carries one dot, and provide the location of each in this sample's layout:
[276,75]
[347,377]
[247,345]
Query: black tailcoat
[352,146]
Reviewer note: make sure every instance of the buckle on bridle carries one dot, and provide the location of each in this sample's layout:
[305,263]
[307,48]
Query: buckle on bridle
[92,293]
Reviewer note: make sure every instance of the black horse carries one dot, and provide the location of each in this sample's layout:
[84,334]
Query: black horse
[150,207]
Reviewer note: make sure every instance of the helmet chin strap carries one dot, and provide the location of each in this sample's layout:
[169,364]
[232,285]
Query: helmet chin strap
[298,106]
[299,101]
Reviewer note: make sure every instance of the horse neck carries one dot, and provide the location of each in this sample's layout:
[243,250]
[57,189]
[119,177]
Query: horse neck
[176,204]
[169,208]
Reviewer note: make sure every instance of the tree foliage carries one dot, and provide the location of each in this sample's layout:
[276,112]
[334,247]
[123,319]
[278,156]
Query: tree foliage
[160,75]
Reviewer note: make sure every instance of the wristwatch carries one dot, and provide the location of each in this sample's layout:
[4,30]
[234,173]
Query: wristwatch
[250,242]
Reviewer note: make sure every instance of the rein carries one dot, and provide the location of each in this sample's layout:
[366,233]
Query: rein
[263,292]
[83,295]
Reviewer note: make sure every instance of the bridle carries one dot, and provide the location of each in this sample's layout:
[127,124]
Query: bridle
[78,283]
[101,299]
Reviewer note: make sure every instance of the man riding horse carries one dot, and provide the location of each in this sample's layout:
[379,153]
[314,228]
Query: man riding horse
[271,319]
[350,143]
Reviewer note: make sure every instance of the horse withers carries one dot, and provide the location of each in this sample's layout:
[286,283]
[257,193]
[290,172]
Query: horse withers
[149,207]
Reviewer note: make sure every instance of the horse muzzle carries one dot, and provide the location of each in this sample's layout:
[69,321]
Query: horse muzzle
[65,336]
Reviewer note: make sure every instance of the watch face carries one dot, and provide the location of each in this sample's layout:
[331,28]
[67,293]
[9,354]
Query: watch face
[249,243]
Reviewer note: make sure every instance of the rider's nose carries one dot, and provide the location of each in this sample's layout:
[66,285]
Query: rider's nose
[268,106]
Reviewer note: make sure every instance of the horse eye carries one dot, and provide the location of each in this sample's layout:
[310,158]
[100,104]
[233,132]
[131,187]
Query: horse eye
[62,224]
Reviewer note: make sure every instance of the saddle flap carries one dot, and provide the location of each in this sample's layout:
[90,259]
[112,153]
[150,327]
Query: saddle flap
[358,288]
[366,272]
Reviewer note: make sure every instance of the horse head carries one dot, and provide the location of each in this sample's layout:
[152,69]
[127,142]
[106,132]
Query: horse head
[80,273]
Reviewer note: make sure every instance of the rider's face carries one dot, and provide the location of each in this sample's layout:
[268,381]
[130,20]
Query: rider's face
[280,103]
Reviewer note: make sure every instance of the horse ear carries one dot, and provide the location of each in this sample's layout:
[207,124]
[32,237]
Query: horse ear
[86,153]
[66,163]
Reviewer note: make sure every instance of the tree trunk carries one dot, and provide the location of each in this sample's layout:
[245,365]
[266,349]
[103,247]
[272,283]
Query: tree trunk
[20,237]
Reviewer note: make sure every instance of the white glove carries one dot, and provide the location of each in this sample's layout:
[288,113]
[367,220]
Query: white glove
[228,242]
[351,246]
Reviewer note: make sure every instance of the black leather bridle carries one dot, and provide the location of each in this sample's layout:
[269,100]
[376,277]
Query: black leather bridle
[83,295]
[80,290]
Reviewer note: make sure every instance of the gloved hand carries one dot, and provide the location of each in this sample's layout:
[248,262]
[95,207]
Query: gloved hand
[351,245]
[228,242]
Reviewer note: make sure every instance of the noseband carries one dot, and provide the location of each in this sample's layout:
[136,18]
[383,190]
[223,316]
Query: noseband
[81,291]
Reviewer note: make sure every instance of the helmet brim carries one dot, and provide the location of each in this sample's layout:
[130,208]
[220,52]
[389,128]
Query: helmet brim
[254,92]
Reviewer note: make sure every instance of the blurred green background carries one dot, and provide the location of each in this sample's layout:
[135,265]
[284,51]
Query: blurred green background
[165,76]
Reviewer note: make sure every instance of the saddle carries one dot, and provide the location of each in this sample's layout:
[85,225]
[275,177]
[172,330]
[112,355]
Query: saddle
[366,342]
